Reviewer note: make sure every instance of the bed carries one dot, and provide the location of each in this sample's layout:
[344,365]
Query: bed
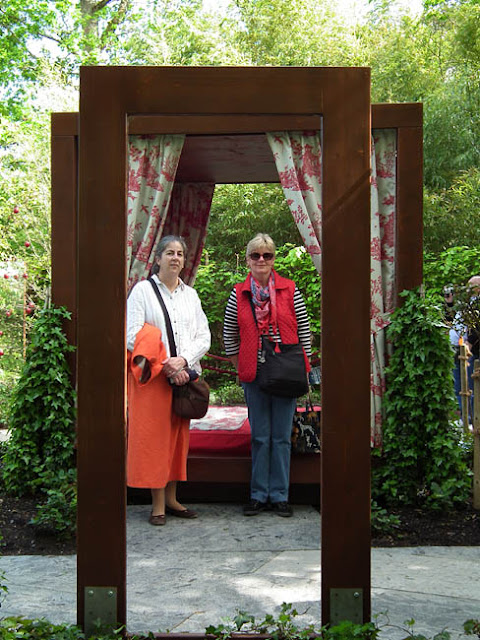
[219,460]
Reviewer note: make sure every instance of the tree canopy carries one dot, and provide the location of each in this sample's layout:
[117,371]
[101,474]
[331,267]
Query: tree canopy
[432,57]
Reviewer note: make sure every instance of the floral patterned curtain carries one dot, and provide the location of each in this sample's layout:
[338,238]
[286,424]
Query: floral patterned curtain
[383,205]
[298,157]
[153,162]
[188,216]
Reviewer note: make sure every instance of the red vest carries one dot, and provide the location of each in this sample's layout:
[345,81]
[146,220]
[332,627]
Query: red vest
[286,318]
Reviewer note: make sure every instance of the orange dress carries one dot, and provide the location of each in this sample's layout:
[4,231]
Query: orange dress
[157,444]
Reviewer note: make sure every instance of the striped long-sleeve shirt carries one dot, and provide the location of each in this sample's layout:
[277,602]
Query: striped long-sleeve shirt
[231,332]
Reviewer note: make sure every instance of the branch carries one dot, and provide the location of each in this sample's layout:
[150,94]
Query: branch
[115,21]
[100,5]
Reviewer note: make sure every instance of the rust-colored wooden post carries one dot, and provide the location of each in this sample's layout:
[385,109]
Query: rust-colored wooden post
[64,165]
[345,490]
[409,241]
[476,435]
[101,534]
[465,392]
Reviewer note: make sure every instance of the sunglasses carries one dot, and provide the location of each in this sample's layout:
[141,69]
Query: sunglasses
[256,256]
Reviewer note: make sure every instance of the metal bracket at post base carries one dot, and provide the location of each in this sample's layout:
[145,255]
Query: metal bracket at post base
[346,604]
[100,610]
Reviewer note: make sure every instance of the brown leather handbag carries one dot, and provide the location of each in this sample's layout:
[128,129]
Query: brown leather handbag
[191,400]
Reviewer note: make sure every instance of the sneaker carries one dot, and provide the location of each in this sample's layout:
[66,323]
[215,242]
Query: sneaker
[254,507]
[282,509]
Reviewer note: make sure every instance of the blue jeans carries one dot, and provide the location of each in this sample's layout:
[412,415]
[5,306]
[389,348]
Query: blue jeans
[270,420]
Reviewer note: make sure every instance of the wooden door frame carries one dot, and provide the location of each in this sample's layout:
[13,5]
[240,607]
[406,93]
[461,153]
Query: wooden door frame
[108,97]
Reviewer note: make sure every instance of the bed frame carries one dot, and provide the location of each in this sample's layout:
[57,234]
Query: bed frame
[226,110]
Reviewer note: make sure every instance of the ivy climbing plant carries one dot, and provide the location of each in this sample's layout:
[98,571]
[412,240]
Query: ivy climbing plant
[40,451]
[422,461]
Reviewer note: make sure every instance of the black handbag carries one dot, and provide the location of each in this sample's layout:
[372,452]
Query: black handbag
[306,429]
[188,400]
[281,369]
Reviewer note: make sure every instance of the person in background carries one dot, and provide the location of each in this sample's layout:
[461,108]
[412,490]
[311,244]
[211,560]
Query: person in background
[458,333]
[473,337]
[473,332]
[157,438]
[265,303]
[448,302]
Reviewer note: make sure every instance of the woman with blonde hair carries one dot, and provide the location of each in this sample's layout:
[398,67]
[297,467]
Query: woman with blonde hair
[265,304]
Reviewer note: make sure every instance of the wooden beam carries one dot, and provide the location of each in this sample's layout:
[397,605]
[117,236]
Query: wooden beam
[409,254]
[64,185]
[396,116]
[384,116]
[221,124]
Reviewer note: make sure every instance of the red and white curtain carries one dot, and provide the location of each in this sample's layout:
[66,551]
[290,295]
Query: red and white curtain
[188,216]
[152,165]
[382,217]
[157,206]
[298,158]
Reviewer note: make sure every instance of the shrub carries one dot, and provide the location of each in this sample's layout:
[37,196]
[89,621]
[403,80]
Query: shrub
[59,511]
[41,418]
[230,393]
[422,460]
[213,283]
[7,384]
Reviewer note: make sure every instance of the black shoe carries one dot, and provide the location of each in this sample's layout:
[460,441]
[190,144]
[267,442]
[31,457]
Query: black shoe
[282,509]
[254,507]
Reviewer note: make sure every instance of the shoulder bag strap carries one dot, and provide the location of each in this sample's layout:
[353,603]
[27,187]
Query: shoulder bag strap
[168,324]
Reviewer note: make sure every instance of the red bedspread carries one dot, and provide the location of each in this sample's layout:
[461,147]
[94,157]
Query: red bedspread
[223,431]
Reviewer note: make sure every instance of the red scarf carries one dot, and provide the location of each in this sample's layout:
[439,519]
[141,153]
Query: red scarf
[265,304]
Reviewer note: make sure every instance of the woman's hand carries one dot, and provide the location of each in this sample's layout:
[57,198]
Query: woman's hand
[172,366]
[180,378]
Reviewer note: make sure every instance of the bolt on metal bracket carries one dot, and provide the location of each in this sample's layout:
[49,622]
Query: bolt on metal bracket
[100,609]
[346,604]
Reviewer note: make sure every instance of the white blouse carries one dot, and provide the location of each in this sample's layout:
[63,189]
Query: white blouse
[189,322]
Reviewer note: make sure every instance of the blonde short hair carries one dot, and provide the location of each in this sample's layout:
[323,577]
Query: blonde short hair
[259,241]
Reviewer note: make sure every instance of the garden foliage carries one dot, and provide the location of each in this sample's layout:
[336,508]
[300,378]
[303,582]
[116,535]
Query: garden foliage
[422,460]
[243,625]
[452,267]
[14,326]
[40,451]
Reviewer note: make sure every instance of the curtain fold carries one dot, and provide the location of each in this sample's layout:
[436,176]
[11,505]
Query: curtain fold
[298,158]
[382,217]
[188,216]
[152,165]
